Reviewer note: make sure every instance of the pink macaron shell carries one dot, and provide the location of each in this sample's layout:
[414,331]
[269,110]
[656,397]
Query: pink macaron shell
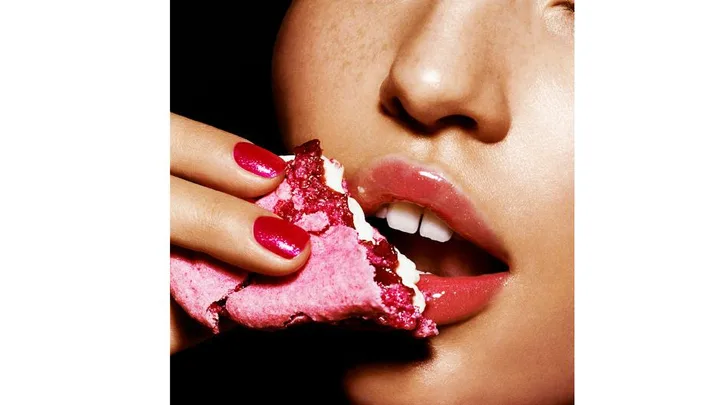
[336,283]
[197,281]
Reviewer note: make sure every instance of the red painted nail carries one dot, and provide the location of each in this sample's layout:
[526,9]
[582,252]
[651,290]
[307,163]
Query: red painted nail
[258,160]
[280,237]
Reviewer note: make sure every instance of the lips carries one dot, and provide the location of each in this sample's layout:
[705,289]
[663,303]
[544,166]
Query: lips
[455,299]
[463,282]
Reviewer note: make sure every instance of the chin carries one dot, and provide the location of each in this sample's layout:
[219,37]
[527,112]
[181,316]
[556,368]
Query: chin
[457,374]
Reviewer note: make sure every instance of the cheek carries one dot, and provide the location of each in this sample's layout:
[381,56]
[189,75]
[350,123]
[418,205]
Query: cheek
[328,68]
[539,152]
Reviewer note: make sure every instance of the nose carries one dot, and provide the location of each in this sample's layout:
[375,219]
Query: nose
[445,74]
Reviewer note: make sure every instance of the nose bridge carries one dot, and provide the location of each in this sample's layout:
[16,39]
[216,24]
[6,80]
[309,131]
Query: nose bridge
[434,64]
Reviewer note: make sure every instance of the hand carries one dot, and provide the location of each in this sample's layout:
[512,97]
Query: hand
[211,172]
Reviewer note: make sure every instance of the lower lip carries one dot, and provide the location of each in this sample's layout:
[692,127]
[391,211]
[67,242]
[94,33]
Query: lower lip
[455,299]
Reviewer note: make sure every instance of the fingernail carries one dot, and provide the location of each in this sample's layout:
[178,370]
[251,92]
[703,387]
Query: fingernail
[280,237]
[258,160]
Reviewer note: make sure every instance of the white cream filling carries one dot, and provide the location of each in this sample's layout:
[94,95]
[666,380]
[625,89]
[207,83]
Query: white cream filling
[410,276]
[363,228]
[406,270]
[334,173]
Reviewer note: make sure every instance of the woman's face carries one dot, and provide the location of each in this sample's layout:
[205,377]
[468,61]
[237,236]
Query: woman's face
[482,92]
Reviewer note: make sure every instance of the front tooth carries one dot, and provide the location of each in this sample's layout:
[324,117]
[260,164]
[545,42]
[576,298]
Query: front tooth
[404,216]
[434,228]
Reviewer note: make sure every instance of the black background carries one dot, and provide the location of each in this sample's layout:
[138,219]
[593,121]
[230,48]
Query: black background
[220,65]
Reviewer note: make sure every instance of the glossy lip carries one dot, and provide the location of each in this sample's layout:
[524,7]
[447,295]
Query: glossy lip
[449,299]
[454,299]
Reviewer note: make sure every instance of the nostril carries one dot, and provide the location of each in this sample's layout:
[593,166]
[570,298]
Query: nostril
[394,107]
[462,121]
[397,110]
[404,115]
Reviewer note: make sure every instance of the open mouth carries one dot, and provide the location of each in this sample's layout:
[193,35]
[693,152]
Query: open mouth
[431,244]
[438,227]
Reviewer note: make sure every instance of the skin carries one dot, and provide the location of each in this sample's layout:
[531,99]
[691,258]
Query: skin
[486,89]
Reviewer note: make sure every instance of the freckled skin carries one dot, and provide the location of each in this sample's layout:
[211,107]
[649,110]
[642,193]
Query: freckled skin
[506,69]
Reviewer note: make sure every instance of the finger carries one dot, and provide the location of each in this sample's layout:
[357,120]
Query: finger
[234,231]
[222,161]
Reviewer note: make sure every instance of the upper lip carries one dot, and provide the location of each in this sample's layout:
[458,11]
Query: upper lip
[397,179]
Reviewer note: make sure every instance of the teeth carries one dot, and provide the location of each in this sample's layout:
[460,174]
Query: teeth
[408,217]
[404,216]
[382,212]
[434,228]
